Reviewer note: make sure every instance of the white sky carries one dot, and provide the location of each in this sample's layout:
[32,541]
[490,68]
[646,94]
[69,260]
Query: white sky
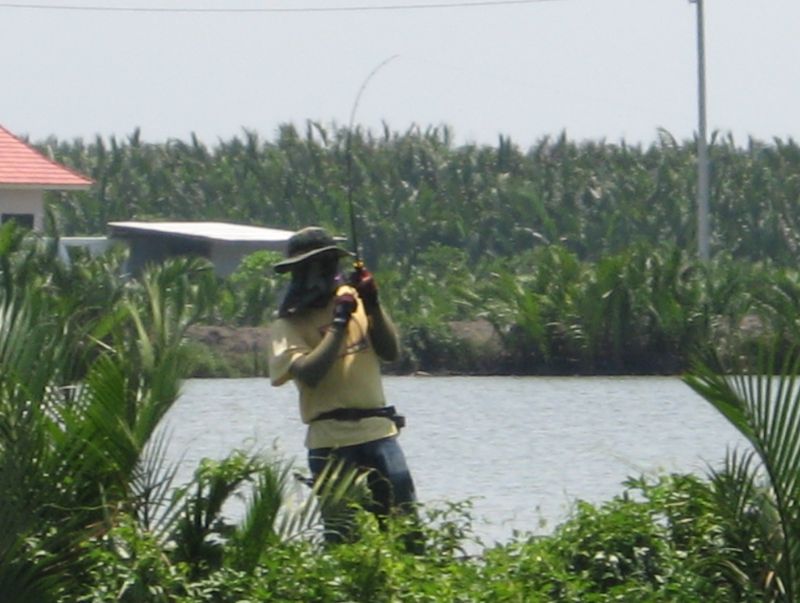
[599,69]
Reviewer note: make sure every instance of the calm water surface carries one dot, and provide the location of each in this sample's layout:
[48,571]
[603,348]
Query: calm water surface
[522,449]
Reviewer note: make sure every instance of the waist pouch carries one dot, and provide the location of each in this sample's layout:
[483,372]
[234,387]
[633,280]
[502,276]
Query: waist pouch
[356,414]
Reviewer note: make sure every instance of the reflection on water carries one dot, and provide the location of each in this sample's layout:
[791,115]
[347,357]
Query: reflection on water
[523,449]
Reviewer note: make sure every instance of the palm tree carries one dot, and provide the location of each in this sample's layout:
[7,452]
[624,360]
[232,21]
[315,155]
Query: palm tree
[72,453]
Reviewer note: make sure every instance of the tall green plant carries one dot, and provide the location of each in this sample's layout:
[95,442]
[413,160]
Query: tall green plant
[72,453]
[762,401]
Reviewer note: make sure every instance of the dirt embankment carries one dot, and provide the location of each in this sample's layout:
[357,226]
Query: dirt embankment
[222,351]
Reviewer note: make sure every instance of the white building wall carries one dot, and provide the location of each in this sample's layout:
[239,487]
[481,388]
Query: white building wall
[226,257]
[24,201]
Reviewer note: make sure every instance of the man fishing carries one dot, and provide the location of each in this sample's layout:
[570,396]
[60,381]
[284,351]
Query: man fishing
[329,337]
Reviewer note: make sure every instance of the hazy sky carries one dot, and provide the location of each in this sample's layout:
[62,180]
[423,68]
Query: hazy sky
[599,69]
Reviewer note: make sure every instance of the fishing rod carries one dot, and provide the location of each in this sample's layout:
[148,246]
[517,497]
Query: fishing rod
[358,263]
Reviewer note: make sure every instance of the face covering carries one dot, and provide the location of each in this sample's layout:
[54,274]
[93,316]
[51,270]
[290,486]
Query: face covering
[313,284]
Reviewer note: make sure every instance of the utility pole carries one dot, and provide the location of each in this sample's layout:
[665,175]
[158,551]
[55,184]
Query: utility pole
[703,178]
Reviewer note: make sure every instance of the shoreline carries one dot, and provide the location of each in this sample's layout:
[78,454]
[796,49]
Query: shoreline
[221,351]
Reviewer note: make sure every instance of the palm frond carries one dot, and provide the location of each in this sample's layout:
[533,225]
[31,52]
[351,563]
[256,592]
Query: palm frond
[199,528]
[735,484]
[336,490]
[258,530]
[152,483]
[763,404]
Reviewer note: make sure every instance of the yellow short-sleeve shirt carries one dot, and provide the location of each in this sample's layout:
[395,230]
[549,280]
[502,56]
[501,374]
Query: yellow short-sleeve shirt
[353,381]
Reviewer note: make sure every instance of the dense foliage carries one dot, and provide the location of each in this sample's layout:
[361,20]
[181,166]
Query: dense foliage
[417,190]
[580,255]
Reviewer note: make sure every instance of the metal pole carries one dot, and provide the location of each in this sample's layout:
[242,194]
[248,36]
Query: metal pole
[703,178]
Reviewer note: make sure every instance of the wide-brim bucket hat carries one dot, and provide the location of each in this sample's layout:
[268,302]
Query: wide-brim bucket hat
[307,243]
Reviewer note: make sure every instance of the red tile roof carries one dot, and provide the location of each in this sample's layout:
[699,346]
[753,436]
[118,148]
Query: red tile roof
[22,166]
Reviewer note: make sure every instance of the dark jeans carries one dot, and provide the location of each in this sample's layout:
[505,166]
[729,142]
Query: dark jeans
[389,479]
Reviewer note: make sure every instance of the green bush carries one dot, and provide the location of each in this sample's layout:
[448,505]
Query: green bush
[661,540]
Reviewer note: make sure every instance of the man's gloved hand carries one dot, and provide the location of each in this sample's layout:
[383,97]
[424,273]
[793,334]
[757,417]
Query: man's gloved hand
[345,305]
[367,288]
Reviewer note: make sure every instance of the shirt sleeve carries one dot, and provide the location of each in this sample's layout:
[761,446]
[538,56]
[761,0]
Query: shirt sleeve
[286,345]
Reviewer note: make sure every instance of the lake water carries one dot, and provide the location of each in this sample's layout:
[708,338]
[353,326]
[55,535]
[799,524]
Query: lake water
[522,449]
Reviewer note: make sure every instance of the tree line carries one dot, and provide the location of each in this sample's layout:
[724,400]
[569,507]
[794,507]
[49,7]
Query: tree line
[580,254]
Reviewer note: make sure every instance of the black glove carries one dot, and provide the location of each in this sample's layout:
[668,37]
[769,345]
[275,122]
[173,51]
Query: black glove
[344,308]
[367,288]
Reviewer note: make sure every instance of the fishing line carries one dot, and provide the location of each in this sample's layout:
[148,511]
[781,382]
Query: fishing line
[349,154]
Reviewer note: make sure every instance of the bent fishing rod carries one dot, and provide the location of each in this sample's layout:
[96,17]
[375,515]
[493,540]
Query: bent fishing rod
[358,263]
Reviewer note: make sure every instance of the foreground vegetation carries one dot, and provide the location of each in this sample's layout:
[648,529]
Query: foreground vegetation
[90,364]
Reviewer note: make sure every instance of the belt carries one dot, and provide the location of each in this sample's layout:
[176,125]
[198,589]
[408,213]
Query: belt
[356,414]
